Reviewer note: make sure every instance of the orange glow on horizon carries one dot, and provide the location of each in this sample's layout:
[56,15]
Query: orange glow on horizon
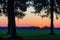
[30,20]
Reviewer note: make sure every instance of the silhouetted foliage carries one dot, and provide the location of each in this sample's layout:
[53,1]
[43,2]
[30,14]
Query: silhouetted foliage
[50,6]
[19,7]
[45,4]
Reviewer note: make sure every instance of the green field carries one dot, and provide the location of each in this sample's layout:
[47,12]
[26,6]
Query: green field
[34,34]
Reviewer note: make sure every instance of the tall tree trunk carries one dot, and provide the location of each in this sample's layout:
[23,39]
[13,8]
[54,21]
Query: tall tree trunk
[11,18]
[52,16]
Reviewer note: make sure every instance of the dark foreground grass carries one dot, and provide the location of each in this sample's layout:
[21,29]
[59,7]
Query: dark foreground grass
[34,34]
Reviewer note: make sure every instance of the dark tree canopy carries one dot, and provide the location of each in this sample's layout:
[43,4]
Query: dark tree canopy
[45,4]
[38,5]
[18,4]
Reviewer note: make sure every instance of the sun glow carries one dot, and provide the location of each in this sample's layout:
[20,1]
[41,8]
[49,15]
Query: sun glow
[31,19]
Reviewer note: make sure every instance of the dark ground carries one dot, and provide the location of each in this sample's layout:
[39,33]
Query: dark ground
[42,34]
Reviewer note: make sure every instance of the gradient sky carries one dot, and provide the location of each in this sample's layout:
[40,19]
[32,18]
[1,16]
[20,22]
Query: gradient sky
[31,20]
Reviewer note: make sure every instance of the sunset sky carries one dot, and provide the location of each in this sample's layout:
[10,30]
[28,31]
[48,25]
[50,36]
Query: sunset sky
[30,20]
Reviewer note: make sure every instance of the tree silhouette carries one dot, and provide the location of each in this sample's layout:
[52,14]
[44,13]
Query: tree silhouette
[14,5]
[14,11]
[51,6]
[22,6]
[11,11]
[11,17]
[52,10]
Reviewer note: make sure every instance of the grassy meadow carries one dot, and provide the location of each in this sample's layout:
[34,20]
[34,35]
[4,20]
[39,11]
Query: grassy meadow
[34,34]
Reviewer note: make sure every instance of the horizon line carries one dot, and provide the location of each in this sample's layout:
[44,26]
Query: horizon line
[31,26]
